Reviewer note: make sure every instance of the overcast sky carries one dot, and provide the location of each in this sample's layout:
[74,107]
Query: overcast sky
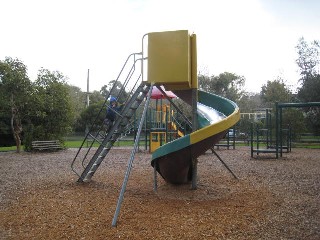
[252,38]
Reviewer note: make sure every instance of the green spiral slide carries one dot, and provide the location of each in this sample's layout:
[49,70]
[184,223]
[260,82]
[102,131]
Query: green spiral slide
[173,161]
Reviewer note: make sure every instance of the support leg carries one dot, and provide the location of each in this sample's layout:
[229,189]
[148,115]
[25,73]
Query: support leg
[225,164]
[194,173]
[155,180]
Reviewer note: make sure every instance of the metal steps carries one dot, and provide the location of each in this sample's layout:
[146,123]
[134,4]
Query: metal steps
[118,127]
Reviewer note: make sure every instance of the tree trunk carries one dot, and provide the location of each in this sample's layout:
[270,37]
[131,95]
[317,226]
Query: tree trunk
[16,125]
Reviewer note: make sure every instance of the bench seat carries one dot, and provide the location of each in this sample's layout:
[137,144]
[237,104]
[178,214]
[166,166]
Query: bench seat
[46,145]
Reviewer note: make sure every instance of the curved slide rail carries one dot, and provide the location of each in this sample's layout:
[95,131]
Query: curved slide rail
[174,160]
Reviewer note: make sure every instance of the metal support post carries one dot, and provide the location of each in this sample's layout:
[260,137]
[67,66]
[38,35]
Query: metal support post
[155,180]
[277,130]
[251,140]
[194,128]
[130,162]
[224,164]
[280,130]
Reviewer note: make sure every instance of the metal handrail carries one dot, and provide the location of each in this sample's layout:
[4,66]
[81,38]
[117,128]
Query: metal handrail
[102,108]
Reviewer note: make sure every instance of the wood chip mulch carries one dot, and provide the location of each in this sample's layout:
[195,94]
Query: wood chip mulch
[273,198]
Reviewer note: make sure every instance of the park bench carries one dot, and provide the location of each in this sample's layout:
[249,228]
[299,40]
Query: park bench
[46,145]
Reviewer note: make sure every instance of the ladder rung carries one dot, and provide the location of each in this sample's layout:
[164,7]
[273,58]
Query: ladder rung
[140,98]
[145,89]
[95,138]
[134,106]
[129,115]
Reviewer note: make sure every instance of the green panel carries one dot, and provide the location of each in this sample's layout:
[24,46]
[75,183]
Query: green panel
[173,146]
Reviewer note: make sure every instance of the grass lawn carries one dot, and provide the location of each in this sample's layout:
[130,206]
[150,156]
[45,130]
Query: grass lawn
[7,149]
[77,144]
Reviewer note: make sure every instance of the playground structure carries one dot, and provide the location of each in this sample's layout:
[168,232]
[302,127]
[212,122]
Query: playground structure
[229,140]
[264,137]
[169,61]
[162,123]
[278,139]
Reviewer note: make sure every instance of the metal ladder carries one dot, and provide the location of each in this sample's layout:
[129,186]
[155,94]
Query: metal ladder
[115,131]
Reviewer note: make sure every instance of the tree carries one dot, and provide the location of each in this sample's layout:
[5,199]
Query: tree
[310,90]
[15,88]
[308,62]
[114,88]
[78,103]
[308,58]
[89,115]
[50,114]
[96,97]
[250,102]
[228,85]
[275,91]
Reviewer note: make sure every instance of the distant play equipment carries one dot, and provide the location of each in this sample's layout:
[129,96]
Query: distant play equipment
[168,61]
[229,140]
[161,120]
[279,130]
[263,139]
[281,142]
